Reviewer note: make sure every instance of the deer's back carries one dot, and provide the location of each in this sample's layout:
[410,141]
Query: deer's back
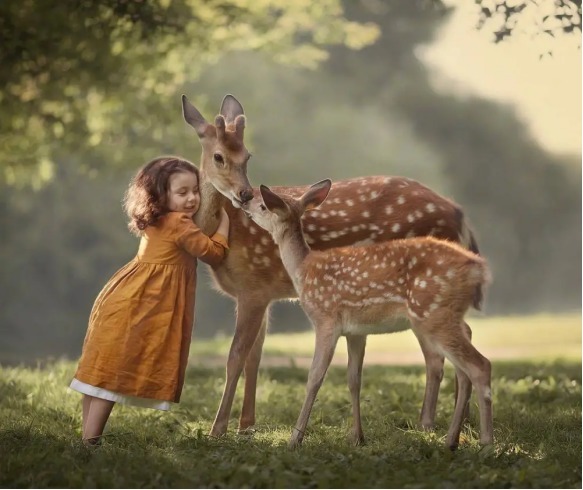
[364,289]
[359,211]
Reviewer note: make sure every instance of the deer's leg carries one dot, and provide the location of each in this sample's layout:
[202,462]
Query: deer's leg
[249,318]
[356,346]
[464,391]
[468,333]
[247,418]
[465,357]
[434,374]
[323,353]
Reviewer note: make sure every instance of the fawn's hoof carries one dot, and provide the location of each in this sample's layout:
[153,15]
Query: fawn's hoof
[296,439]
[293,444]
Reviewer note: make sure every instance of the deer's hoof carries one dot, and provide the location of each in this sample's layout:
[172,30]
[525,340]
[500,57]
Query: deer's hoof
[357,439]
[218,431]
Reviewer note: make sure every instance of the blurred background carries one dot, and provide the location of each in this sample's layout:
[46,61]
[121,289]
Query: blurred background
[479,100]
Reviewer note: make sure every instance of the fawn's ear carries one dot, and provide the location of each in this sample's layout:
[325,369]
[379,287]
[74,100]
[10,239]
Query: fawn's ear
[316,194]
[193,117]
[231,108]
[271,200]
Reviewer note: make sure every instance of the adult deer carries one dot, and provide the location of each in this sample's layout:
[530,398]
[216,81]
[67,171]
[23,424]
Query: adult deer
[355,291]
[361,210]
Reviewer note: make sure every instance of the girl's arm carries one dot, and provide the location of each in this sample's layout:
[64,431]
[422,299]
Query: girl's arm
[223,228]
[191,238]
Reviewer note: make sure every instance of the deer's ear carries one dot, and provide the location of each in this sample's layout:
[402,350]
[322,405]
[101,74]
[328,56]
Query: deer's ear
[316,194]
[193,117]
[271,200]
[231,108]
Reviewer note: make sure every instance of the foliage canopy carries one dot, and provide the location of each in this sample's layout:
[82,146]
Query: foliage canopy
[78,74]
[546,17]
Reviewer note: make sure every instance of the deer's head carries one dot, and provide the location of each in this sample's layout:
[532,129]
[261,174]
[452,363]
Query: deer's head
[279,214]
[224,156]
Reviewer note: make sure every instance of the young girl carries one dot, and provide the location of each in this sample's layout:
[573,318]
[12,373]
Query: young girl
[139,334]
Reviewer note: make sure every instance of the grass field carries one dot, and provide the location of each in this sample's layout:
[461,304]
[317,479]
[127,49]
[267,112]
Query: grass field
[537,424]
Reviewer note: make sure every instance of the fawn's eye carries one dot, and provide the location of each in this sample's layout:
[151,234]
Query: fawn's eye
[219,160]
[262,207]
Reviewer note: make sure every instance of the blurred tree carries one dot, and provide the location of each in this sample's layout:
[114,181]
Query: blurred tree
[535,17]
[60,244]
[521,199]
[77,73]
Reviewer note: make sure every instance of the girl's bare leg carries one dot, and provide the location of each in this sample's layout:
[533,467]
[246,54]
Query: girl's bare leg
[86,404]
[97,415]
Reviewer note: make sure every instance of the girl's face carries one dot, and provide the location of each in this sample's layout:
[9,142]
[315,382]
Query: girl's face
[183,193]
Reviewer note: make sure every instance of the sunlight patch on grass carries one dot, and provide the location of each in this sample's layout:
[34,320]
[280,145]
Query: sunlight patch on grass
[542,336]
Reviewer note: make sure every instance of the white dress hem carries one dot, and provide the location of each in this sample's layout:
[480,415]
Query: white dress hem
[104,394]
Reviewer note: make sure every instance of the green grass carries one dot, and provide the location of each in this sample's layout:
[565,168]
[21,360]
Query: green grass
[537,421]
[537,429]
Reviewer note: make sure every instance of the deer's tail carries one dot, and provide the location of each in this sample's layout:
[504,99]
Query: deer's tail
[468,240]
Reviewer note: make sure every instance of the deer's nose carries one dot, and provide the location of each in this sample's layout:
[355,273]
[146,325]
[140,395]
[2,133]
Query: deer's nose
[246,195]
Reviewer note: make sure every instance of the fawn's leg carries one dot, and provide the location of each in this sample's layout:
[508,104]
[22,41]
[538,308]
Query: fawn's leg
[434,374]
[356,346]
[251,371]
[468,332]
[463,397]
[97,416]
[465,357]
[326,340]
[249,317]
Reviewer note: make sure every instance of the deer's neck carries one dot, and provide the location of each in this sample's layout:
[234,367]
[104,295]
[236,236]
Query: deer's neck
[293,250]
[211,201]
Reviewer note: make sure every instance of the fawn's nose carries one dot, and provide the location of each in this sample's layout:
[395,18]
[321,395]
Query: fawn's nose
[246,195]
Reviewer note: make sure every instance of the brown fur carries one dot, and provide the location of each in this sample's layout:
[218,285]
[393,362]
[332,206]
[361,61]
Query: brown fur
[356,291]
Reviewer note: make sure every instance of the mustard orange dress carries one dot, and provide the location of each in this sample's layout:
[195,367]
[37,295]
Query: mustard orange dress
[138,339]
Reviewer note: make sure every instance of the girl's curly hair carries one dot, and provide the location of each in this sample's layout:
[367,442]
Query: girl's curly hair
[146,198]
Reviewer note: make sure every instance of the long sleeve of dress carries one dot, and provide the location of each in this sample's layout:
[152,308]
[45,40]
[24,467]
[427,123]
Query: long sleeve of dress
[191,238]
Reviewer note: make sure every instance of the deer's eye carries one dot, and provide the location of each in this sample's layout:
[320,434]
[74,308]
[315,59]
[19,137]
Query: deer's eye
[262,207]
[218,158]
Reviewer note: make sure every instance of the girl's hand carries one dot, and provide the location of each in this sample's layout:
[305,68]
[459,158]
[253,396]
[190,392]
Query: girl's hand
[223,228]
